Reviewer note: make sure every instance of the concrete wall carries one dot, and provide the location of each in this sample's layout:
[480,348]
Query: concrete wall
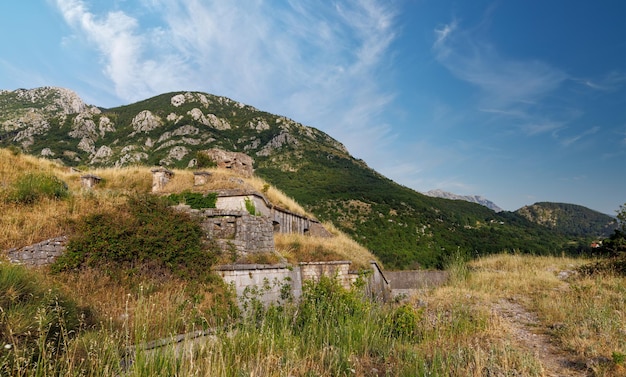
[378,286]
[408,282]
[273,283]
[283,220]
[340,269]
[264,282]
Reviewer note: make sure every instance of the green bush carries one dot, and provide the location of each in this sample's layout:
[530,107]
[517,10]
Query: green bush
[32,187]
[403,322]
[204,161]
[144,236]
[250,207]
[327,302]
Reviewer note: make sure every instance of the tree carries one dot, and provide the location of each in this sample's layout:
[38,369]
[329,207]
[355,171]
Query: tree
[615,245]
[621,218]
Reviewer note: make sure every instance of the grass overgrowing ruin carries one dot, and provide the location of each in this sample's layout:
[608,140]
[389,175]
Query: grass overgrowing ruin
[95,315]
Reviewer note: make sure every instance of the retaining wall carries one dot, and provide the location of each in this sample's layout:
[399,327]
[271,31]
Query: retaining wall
[39,254]
[275,283]
[408,282]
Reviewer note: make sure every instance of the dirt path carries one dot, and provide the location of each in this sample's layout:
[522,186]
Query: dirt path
[529,333]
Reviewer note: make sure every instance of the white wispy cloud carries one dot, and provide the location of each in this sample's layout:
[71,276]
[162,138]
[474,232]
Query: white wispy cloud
[511,90]
[610,82]
[542,127]
[317,63]
[573,139]
[506,83]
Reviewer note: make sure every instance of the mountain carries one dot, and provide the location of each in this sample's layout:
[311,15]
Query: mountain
[402,227]
[570,219]
[468,198]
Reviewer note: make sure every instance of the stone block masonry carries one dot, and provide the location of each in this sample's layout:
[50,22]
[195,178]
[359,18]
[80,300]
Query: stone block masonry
[238,231]
[40,254]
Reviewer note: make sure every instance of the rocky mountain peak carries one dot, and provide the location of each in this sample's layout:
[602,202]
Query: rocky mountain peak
[55,99]
[438,193]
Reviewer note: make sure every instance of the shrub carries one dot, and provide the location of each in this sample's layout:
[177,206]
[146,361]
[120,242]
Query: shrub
[403,322]
[34,186]
[144,232]
[204,161]
[250,207]
[327,302]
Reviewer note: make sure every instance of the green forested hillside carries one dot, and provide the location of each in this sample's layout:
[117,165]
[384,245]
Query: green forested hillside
[404,228]
[401,226]
[570,219]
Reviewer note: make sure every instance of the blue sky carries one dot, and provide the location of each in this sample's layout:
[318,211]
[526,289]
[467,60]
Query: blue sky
[519,101]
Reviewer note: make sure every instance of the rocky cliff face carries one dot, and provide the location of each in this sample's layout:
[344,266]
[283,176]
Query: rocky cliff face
[166,130]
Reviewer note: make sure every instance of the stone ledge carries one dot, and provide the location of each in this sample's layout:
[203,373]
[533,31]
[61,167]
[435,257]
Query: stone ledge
[247,267]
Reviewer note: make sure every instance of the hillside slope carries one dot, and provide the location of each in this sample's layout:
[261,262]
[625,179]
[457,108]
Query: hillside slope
[401,226]
[570,219]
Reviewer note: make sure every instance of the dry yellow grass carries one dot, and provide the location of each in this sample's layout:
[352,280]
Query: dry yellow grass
[302,248]
[585,315]
[22,225]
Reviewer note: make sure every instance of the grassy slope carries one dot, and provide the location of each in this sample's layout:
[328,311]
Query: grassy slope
[23,225]
[453,330]
[403,228]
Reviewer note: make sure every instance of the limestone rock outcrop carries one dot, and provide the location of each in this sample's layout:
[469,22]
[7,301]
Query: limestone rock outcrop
[239,162]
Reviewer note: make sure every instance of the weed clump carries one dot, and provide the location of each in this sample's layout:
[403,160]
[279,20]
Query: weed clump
[32,187]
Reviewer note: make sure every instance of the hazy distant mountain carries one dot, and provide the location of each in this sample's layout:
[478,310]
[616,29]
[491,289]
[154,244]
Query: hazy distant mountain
[401,226]
[468,198]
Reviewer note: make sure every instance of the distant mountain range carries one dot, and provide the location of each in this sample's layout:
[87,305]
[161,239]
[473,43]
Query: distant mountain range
[404,228]
[468,198]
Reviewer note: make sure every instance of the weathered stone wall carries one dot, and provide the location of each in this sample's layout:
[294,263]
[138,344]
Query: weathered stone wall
[40,254]
[283,220]
[238,231]
[160,178]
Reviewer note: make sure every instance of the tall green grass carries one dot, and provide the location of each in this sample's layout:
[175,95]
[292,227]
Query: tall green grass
[331,331]
[36,321]
[32,187]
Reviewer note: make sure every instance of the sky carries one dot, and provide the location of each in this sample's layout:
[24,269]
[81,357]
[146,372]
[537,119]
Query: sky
[519,101]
